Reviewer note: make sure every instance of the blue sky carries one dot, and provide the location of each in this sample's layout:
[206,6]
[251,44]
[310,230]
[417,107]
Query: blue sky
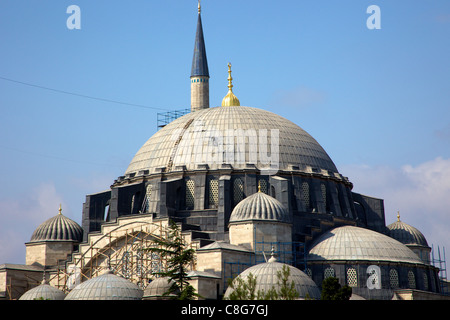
[376,100]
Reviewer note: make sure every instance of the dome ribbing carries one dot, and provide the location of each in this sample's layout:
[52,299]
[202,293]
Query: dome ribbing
[43,292]
[58,228]
[349,243]
[231,135]
[260,206]
[107,286]
[266,275]
[406,234]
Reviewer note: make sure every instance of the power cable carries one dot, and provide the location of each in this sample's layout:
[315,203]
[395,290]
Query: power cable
[82,95]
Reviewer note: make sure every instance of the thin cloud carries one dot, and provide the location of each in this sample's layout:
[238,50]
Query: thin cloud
[20,217]
[299,97]
[421,193]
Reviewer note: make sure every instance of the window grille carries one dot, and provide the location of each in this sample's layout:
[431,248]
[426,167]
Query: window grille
[148,194]
[328,272]
[393,278]
[190,191]
[238,190]
[411,280]
[425,281]
[305,193]
[323,188]
[352,277]
[213,193]
[262,185]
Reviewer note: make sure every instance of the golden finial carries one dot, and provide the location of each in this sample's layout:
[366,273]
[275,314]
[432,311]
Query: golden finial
[199,7]
[60,209]
[398,216]
[230,78]
[259,186]
[230,99]
[272,255]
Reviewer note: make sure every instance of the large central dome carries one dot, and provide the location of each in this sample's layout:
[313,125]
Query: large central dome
[231,135]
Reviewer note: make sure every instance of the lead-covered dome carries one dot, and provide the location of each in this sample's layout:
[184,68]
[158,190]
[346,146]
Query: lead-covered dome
[43,292]
[267,278]
[158,289]
[349,243]
[197,139]
[107,286]
[58,228]
[260,206]
[407,234]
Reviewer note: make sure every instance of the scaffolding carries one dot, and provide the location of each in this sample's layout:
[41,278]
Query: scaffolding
[164,118]
[439,262]
[124,251]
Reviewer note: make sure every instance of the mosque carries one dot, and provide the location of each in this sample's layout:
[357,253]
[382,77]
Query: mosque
[251,192]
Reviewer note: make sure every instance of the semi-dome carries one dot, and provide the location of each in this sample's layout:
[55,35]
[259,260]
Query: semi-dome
[349,243]
[43,292]
[260,206]
[266,275]
[58,228]
[196,139]
[406,233]
[107,286]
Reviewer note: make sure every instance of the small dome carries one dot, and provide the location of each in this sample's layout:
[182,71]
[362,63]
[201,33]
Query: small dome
[107,286]
[58,228]
[158,287]
[43,292]
[406,234]
[266,275]
[354,243]
[260,206]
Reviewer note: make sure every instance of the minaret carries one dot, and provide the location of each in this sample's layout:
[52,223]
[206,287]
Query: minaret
[199,71]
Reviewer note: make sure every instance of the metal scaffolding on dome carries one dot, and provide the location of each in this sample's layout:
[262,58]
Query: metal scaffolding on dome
[122,251]
[164,118]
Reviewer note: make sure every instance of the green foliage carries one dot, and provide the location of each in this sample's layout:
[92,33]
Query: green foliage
[179,258]
[332,290]
[246,289]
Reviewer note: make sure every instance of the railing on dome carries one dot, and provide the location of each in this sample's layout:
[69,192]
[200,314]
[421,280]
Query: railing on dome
[164,118]
[439,262]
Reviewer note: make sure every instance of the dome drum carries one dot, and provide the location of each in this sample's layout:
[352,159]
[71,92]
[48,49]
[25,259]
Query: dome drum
[373,264]
[206,192]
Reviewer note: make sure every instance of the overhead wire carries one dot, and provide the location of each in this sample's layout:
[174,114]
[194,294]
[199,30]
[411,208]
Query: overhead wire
[82,95]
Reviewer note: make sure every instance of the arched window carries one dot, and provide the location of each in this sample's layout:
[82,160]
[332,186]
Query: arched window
[411,280]
[262,185]
[190,194]
[148,193]
[352,277]
[308,271]
[425,281]
[393,278]
[238,190]
[306,196]
[328,272]
[323,189]
[213,190]
[106,212]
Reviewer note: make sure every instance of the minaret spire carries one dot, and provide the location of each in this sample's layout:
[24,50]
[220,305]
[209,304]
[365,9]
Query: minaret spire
[199,70]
